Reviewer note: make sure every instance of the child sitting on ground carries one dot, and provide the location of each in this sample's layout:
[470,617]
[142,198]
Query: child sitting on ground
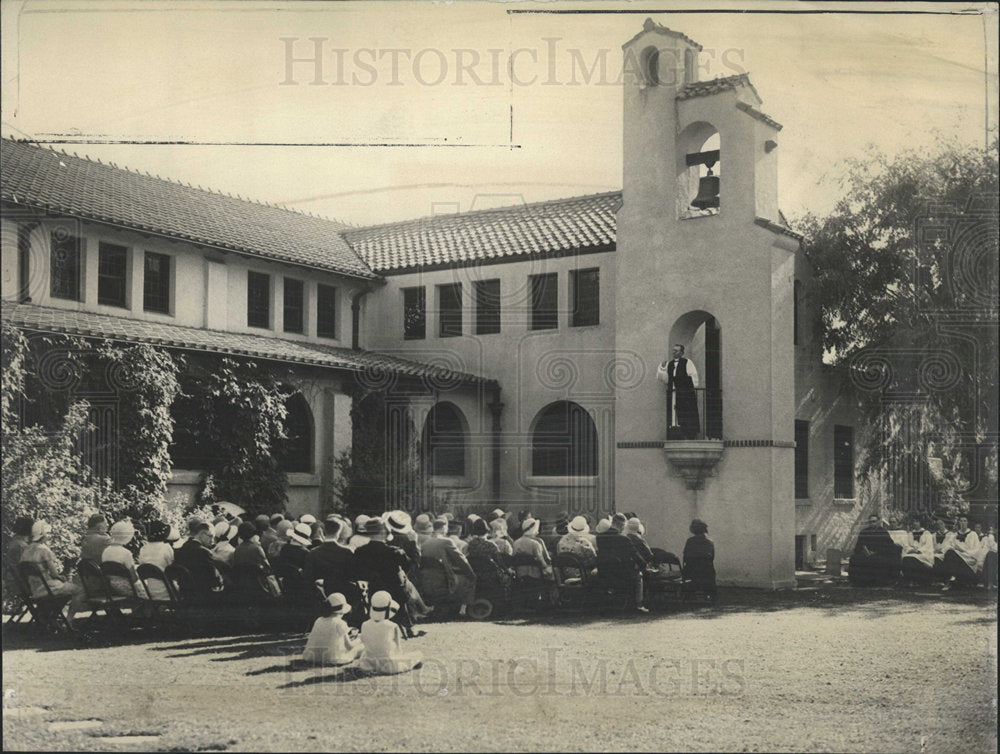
[382,639]
[330,641]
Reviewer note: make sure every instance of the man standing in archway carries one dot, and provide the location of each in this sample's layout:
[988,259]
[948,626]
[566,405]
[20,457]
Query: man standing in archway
[681,379]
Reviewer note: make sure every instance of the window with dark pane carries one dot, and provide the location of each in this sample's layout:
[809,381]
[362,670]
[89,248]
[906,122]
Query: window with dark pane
[414,313]
[65,265]
[449,310]
[564,441]
[544,301]
[444,441]
[258,299]
[156,283]
[326,311]
[295,453]
[801,459]
[112,269]
[294,308]
[487,307]
[843,462]
[586,297]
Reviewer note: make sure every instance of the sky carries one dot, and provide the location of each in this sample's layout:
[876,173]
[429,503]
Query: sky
[422,108]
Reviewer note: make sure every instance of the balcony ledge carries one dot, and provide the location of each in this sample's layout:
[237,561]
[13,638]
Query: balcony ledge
[693,459]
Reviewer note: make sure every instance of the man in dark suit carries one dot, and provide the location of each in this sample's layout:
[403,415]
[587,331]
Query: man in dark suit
[681,379]
[195,556]
[383,567]
[876,558]
[333,562]
[619,564]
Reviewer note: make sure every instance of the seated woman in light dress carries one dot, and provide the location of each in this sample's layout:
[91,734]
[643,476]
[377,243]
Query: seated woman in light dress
[331,641]
[158,552]
[383,640]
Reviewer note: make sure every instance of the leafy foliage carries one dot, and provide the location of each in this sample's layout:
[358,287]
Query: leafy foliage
[236,412]
[905,284]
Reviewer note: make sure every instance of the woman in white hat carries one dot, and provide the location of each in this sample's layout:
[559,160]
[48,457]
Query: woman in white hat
[121,534]
[331,642]
[383,640]
[223,551]
[38,552]
[529,544]
[577,542]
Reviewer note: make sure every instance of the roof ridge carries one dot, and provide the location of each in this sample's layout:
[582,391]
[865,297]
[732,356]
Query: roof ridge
[467,213]
[176,182]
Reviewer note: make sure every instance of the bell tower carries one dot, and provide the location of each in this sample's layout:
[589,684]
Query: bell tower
[704,261]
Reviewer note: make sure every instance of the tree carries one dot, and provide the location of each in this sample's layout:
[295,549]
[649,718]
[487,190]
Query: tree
[905,287]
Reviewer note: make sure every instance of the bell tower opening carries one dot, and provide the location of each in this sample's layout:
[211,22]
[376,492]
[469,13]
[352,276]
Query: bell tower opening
[699,170]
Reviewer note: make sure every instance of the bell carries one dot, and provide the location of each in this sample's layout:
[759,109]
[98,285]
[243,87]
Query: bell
[708,192]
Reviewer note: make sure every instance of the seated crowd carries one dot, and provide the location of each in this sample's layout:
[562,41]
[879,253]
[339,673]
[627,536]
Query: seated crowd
[930,550]
[354,561]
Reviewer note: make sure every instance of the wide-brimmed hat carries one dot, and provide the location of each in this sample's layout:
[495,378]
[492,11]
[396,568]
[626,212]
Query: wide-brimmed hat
[529,526]
[301,533]
[633,526]
[157,531]
[374,527]
[39,529]
[339,603]
[173,535]
[122,532]
[307,518]
[383,605]
[399,522]
[578,525]
[422,524]
[224,530]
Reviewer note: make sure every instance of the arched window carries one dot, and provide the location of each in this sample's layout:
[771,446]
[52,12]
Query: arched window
[564,441]
[296,453]
[699,170]
[444,441]
[651,66]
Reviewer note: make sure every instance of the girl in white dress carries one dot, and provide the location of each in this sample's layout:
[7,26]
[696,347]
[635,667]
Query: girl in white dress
[330,641]
[382,639]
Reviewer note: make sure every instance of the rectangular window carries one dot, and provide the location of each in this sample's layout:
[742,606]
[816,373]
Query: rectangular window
[112,268]
[326,311]
[156,283]
[449,310]
[586,293]
[258,299]
[414,313]
[544,301]
[65,266]
[843,462]
[801,459]
[487,307]
[294,309]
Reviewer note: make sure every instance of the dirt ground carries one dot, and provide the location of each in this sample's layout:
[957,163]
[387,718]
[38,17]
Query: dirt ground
[827,668]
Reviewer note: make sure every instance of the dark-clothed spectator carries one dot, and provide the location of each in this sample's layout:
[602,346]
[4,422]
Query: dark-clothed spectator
[383,567]
[699,559]
[195,556]
[876,557]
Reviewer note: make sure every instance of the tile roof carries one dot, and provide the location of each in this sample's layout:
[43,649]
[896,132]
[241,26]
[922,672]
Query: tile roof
[714,86]
[52,181]
[577,223]
[753,112]
[371,365]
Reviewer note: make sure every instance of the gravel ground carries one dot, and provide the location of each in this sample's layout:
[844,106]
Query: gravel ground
[822,669]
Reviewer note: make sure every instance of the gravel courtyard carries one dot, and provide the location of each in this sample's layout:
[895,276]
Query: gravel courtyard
[823,669]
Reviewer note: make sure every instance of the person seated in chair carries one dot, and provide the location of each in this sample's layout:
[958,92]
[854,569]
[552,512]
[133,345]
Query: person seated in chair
[20,539]
[876,557]
[699,560]
[531,545]
[617,558]
[577,542]
[333,563]
[195,556]
[95,539]
[39,553]
[158,552]
[441,548]
[961,560]
[296,551]
[121,534]
[918,556]
[383,567]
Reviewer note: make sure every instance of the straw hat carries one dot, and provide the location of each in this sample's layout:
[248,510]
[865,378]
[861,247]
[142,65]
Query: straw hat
[122,532]
[301,533]
[383,606]
[398,522]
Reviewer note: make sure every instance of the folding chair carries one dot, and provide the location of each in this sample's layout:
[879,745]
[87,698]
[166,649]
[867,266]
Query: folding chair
[668,578]
[99,597]
[46,606]
[160,596]
[19,600]
[493,584]
[125,595]
[531,591]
